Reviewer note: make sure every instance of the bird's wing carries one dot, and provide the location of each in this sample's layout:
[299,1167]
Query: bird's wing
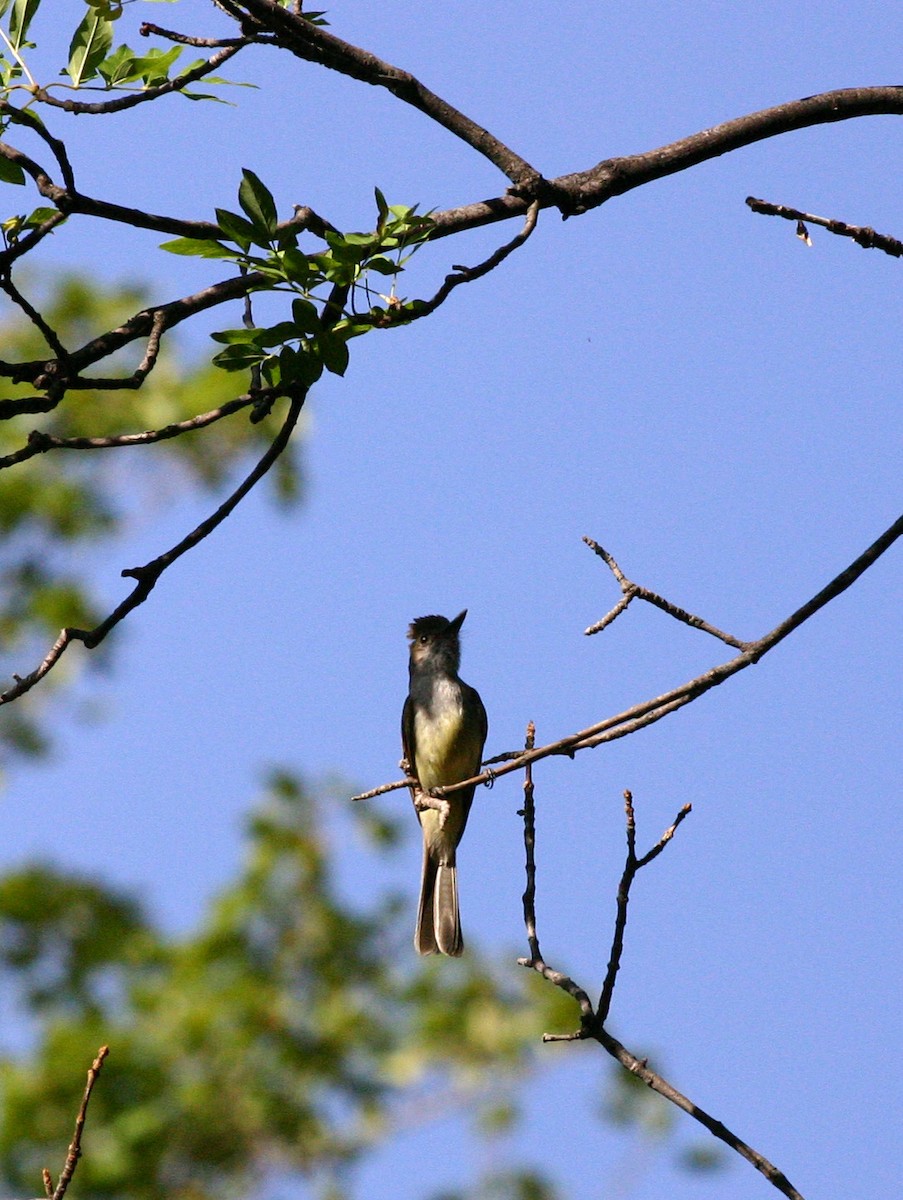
[407,735]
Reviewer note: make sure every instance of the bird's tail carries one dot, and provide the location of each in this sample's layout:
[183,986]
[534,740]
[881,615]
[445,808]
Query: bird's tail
[438,918]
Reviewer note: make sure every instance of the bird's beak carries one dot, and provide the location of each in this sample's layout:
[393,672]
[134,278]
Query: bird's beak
[456,624]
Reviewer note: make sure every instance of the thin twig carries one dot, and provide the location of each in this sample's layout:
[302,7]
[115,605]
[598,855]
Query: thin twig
[862,235]
[592,1025]
[631,866]
[536,962]
[529,814]
[49,335]
[147,29]
[460,274]
[40,442]
[634,590]
[75,1146]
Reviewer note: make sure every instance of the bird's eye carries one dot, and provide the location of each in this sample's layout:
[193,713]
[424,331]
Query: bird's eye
[423,639]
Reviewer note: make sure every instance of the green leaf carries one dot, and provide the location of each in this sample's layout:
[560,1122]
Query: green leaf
[333,351]
[234,337]
[203,96]
[11,172]
[119,67]
[111,10]
[39,215]
[236,228]
[19,20]
[154,66]
[258,203]
[296,265]
[198,248]
[89,47]
[302,365]
[239,357]
[382,265]
[382,208]
[305,316]
[359,239]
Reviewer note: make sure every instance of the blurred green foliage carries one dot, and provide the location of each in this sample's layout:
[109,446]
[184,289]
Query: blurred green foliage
[290,1033]
[59,506]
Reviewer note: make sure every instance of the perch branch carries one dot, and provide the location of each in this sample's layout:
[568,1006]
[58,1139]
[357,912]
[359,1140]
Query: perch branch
[647,712]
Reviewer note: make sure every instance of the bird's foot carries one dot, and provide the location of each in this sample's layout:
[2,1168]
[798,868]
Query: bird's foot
[439,804]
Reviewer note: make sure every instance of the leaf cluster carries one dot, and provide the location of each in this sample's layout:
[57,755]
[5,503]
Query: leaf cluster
[291,1031]
[299,349]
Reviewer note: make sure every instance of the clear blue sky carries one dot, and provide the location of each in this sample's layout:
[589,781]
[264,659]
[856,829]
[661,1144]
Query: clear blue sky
[689,384]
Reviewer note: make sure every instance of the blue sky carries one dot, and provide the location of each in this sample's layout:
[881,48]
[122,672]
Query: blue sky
[686,382]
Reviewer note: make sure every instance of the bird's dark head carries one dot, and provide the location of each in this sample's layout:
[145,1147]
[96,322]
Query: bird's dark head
[436,644]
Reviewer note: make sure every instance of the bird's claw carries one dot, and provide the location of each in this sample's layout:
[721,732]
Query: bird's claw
[426,800]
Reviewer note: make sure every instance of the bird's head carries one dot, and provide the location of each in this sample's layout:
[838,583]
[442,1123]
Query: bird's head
[436,643]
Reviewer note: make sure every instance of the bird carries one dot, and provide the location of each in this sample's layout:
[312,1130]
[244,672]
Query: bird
[443,730]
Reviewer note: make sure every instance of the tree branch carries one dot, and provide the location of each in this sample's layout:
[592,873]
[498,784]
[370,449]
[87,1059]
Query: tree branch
[40,442]
[536,962]
[641,1069]
[631,866]
[584,190]
[313,43]
[863,235]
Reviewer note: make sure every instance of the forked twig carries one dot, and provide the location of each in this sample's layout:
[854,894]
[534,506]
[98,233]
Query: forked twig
[592,1021]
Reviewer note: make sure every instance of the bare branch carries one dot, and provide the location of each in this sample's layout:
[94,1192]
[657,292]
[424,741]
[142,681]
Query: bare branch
[148,574]
[75,1146]
[863,235]
[24,116]
[592,1024]
[536,962]
[147,29]
[148,323]
[40,442]
[49,335]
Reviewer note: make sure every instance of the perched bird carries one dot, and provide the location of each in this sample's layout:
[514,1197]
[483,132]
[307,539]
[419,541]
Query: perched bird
[443,728]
